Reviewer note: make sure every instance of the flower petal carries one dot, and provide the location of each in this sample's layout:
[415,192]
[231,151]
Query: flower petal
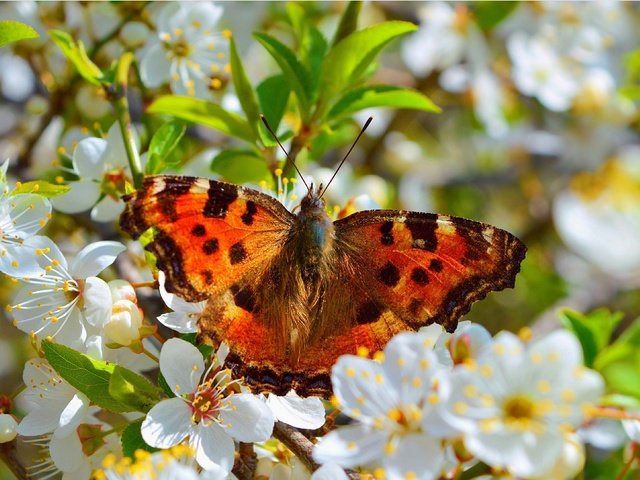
[87,158]
[94,258]
[360,385]
[66,452]
[329,471]
[97,301]
[182,366]
[116,153]
[83,195]
[249,419]
[351,446]
[73,414]
[214,447]
[181,322]
[415,456]
[167,423]
[28,214]
[19,261]
[155,65]
[296,411]
[107,210]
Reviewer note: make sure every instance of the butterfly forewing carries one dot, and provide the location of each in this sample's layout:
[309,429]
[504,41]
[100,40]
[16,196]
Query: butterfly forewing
[426,267]
[208,235]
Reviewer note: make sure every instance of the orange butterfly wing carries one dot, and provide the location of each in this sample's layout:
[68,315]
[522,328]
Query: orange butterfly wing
[208,235]
[426,267]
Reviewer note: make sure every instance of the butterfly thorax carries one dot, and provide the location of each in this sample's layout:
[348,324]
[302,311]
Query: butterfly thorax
[314,235]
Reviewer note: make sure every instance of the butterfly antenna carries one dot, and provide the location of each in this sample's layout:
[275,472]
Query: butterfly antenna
[366,124]
[266,124]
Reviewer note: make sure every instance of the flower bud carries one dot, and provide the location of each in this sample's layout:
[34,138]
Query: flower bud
[8,427]
[124,324]
[122,290]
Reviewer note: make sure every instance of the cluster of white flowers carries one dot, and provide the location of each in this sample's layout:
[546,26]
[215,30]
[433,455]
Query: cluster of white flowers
[434,403]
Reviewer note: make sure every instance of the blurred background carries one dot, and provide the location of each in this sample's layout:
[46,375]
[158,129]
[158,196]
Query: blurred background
[537,135]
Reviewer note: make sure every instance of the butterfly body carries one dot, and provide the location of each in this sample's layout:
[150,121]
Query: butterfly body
[290,293]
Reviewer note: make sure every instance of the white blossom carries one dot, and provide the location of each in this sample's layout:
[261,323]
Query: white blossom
[189,52]
[514,405]
[102,168]
[205,411]
[395,406]
[65,301]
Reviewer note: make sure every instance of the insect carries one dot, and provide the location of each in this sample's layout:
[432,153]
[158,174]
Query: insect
[289,293]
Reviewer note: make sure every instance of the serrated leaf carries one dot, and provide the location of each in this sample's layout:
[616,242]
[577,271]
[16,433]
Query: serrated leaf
[244,90]
[132,389]
[12,31]
[86,374]
[293,71]
[381,96]
[240,166]
[77,55]
[489,14]
[348,21]
[273,95]
[41,187]
[131,439]
[162,144]
[204,113]
[347,61]
[594,328]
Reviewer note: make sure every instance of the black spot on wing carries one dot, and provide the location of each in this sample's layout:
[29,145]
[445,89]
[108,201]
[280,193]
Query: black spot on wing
[415,305]
[198,230]
[435,265]
[368,312]
[170,194]
[389,275]
[423,228]
[386,237]
[247,216]
[420,276]
[220,196]
[243,298]
[210,246]
[237,253]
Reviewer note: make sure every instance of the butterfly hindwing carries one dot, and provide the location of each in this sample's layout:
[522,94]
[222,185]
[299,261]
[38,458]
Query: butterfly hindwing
[426,267]
[208,235]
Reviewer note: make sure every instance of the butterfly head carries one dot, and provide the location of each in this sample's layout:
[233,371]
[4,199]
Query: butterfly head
[313,199]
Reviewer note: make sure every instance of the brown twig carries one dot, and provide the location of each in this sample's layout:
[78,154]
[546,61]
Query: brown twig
[295,441]
[8,456]
[245,464]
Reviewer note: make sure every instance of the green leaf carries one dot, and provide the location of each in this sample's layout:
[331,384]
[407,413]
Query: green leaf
[12,31]
[348,21]
[162,144]
[204,113]
[41,187]
[316,49]
[619,366]
[294,72]
[78,56]
[244,90]
[273,95]
[133,390]
[132,440]
[593,330]
[488,14]
[240,166]
[347,61]
[619,363]
[89,376]
[381,96]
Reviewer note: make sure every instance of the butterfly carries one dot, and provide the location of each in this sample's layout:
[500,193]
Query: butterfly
[289,293]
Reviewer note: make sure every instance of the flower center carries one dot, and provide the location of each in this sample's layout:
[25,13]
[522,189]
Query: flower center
[518,407]
[181,48]
[206,403]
